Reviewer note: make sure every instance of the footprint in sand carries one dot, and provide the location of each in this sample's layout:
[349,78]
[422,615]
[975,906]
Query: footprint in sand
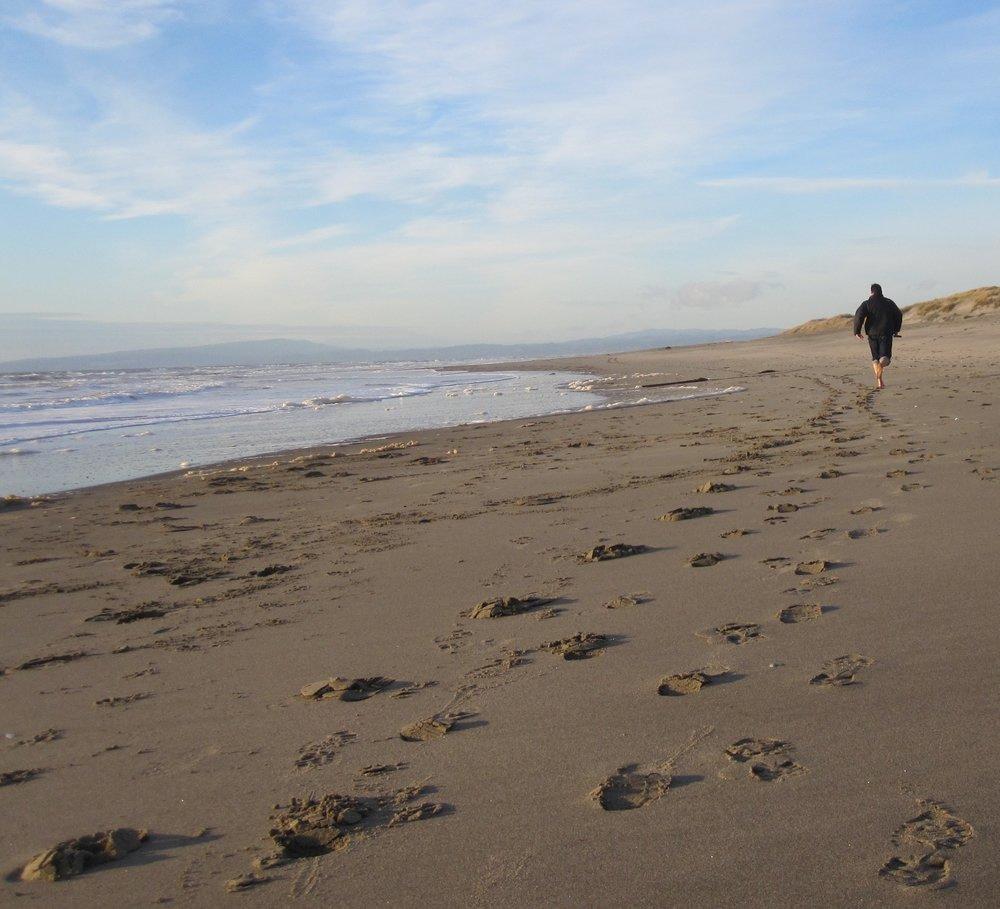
[504,662]
[715,487]
[692,682]
[896,474]
[453,641]
[73,857]
[42,662]
[841,670]
[132,614]
[731,633]
[602,553]
[818,534]
[13,777]
[344,689]
[314,826]
[784,508]
[580,646]
[323,752]
[815,567]
[39,738]
[862,533]
[926,844]
[411,689]
[633,786]
[768,758]
[685,514]
[775,771]
[800,612]
[506,606]
[866,509]
[927,870]
[732,534]
[830,474]
[775,562]
[244,882]
[123,700]
[811,583]
[433,727]
[744,750]
[624,600]
[381,769]
[705,559]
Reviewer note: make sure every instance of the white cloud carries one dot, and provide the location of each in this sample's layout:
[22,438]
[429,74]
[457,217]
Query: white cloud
[568,83]
[503,160]
[313,237]
[463,277]
[417,174]
[50,174]
[720,294]
[93,24]
[796,185]
[710,294]
[133,159]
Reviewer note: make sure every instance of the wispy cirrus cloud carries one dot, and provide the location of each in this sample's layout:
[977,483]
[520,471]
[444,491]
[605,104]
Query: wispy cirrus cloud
[93,24]
[133,158]
[795,185]
[526,109]
[421,158]
[566,83]
[51,176]
[313,237]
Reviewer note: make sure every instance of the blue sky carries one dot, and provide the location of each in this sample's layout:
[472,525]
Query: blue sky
[503,171]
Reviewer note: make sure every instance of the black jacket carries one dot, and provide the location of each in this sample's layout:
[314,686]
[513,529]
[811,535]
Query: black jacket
[879,317]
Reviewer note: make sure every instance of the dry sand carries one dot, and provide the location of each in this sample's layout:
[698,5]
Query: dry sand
[810,719]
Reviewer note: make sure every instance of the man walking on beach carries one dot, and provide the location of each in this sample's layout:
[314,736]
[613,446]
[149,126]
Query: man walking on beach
[881,320]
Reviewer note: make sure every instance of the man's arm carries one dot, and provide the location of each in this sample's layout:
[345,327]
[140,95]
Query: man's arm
[898,319]
[860,317]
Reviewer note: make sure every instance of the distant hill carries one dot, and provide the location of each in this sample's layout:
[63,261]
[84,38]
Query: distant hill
[962,305]
[284,351]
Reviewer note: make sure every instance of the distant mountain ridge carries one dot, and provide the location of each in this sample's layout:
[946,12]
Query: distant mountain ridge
[284,351]
[963,305]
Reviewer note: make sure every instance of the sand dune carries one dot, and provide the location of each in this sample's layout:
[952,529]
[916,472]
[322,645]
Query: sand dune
[983,301]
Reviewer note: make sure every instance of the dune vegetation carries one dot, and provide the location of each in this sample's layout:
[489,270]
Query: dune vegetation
[963,305]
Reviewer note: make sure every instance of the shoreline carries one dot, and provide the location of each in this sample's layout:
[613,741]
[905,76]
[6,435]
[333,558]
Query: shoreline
[581,366]
[324,449]
[211,428]
[827,607]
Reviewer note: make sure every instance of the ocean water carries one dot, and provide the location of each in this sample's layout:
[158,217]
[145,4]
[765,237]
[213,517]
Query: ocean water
[68,430]
[62,431]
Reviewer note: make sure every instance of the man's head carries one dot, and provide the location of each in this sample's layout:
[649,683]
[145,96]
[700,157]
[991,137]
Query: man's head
[876,290]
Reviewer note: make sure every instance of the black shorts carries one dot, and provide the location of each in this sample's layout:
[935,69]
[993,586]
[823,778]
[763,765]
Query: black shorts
[881,347]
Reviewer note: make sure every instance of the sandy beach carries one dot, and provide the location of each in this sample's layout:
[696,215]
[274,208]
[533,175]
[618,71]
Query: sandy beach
[500,665]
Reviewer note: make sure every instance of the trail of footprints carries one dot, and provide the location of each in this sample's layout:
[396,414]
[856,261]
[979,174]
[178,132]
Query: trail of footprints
[924,845]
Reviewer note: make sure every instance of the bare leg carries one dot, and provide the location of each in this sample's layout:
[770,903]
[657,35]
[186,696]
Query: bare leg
[878,367]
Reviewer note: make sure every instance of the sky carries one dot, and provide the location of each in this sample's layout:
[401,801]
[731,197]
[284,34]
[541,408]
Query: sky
[456,170]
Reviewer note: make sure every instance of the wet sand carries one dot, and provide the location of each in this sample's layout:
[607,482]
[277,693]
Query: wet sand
[529,663]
